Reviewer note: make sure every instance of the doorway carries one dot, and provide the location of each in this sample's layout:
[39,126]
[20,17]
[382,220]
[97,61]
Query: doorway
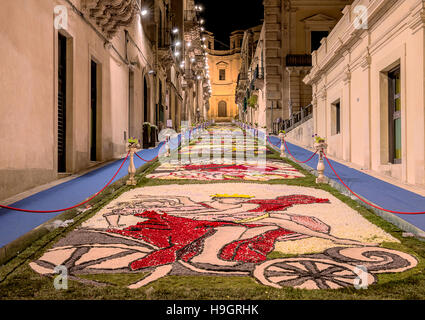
[93,111]
[222,109]
[394,90]
[62,49]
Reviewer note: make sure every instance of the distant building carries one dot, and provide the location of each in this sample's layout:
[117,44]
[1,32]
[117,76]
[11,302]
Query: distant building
[292,29]
[224,68]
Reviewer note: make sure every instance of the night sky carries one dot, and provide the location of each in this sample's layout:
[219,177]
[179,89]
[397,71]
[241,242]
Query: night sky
[224,16]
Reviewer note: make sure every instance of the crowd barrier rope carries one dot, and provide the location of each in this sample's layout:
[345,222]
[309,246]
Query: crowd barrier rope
[73,207]
[290,153]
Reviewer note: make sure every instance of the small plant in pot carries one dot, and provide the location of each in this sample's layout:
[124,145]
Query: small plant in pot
[319,142]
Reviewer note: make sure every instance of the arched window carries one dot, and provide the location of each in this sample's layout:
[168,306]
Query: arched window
[222,109]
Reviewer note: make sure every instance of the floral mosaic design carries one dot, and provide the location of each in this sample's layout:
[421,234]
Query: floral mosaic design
[274,170]
[210,230]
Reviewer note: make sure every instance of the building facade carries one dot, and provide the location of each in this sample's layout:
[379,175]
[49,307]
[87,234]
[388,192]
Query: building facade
[369,88]
[79,77]
[251,70]
[293,29]
[224,68]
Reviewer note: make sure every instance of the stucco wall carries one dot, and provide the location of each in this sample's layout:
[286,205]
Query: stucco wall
[28,93]
[223,90]
[358,77]
[302,135]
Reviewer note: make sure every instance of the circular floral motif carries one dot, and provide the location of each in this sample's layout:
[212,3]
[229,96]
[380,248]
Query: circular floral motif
[376,260]
[308,273]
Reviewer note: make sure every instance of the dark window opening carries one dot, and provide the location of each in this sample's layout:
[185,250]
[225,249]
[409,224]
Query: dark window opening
[93,112]
[145,101]
[222,74]
[316,37]
[394,125]
[336,118]
[62,103]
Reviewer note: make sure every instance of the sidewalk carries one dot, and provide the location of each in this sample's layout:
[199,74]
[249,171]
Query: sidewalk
[381,193]
[15,224]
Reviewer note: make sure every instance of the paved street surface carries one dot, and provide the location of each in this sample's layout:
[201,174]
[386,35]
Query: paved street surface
[230,214]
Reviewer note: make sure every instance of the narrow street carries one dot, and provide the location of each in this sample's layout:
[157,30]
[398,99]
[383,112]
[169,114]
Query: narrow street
[223,217]
[253,153]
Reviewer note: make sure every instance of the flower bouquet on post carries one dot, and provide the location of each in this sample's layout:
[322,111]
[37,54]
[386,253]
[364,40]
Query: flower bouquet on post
[320,145]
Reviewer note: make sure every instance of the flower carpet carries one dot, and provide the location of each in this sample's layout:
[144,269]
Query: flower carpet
[231,229]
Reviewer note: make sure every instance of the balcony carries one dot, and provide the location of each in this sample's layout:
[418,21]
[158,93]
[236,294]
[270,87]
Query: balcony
[298,60]
[166,57]
[242,79]
[258,80]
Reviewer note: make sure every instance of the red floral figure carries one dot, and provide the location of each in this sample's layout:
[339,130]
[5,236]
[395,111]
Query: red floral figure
[180,238]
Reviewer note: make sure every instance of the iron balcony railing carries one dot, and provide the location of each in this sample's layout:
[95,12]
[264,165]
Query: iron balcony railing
[306,113]
[298,60]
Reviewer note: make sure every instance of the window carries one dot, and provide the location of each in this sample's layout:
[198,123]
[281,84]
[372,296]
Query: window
[316,37]
[222,74]
[394,112]
[222,109]
[336,117]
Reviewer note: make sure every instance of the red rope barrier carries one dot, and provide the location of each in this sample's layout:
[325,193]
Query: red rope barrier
[76,206]
[289,151]
[363,200]
[147,161]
